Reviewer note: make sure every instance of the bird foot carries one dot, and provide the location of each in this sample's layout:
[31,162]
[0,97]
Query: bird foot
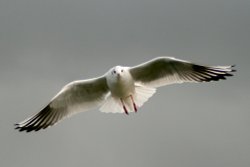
[135,107]
[124,107]
[125,110]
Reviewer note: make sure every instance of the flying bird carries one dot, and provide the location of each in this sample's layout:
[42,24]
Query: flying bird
[121,89]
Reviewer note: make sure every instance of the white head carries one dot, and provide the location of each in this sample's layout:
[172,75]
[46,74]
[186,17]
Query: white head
[120,81]
[117,73]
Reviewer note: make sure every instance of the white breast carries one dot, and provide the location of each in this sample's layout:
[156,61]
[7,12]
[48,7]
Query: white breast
[122,86]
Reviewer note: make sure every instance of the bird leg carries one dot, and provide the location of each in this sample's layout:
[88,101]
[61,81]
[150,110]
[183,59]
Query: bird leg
[135,107]
[124,107]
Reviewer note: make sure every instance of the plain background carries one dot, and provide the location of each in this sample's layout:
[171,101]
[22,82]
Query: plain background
[46,44]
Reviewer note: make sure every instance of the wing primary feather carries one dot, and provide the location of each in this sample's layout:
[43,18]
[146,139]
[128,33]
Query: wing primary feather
[49,121]
[40,124]
[25,126]
[194,78]
[40,119]
[30,123]
[204,74]
[58,116]
[54,118]
[189,78]
[198,75]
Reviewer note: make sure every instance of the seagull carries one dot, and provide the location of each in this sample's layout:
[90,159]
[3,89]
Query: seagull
[121,89]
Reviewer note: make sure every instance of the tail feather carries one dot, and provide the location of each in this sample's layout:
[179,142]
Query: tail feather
[112,105]
[141,95]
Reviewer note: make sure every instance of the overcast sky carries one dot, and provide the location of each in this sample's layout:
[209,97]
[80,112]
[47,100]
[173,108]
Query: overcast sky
[44,44]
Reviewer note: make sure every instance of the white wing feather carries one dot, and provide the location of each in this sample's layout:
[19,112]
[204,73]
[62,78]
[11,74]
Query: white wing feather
[75,97]
[167,70]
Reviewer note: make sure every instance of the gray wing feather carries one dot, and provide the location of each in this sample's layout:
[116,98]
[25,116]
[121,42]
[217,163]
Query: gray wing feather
[166,70]
[75,97]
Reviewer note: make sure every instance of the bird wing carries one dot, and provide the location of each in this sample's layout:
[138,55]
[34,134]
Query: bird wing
[77,96]
[167,70]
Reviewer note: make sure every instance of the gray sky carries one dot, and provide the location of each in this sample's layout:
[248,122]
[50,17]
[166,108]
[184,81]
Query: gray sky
[46,44]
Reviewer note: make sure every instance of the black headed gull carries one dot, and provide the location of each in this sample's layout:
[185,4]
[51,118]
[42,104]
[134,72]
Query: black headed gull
[121,89]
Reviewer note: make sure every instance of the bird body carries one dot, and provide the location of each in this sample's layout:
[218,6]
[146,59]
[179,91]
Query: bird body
[121,89]
[120,82]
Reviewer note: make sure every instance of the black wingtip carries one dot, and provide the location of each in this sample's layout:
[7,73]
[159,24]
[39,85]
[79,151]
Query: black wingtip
[34,122]
[16,125]
[213,73]
[233,70]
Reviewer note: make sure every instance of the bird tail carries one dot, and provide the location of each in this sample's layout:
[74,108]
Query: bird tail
[141,95]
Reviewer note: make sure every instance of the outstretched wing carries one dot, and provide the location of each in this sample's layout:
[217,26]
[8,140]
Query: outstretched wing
[75,97]
[167,70]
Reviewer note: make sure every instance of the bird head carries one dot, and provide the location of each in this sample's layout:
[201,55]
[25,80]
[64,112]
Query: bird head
[118,72]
